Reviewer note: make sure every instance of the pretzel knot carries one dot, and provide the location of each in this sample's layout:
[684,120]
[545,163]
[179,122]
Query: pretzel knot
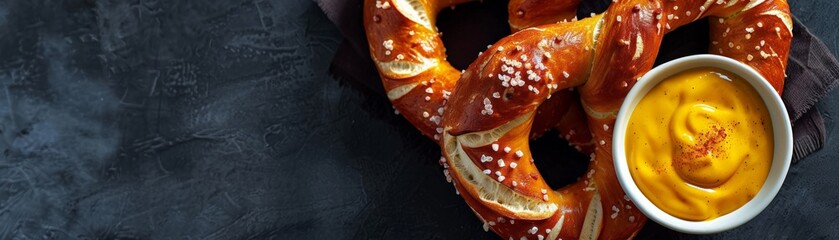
[483,117]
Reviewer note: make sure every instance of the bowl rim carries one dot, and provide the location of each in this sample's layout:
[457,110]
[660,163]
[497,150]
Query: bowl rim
[782,155]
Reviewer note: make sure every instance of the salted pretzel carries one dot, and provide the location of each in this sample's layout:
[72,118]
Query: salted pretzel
[483,117]
[411,60]
[564,112]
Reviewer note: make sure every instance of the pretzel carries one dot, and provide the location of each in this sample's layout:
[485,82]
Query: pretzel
[411,60]
[483,124]
[572,125]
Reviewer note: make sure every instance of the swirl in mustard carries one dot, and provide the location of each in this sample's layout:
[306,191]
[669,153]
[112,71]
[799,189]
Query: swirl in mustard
[700,143]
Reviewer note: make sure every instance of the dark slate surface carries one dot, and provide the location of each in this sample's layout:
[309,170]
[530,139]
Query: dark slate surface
[217,120]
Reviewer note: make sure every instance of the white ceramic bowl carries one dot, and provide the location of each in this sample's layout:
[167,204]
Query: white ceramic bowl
[780,163]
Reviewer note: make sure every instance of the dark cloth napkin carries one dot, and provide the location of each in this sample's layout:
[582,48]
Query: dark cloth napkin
[811,73]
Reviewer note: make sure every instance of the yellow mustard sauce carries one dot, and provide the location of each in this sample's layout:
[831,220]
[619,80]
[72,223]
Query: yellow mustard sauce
[700,143]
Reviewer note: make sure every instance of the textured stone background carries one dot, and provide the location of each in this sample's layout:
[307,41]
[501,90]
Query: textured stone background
[215,119]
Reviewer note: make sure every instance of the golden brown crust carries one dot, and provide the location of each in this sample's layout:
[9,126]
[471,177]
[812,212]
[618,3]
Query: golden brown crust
[564,105]
[484,116]
[528,13]
[540,55]
[761,40]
